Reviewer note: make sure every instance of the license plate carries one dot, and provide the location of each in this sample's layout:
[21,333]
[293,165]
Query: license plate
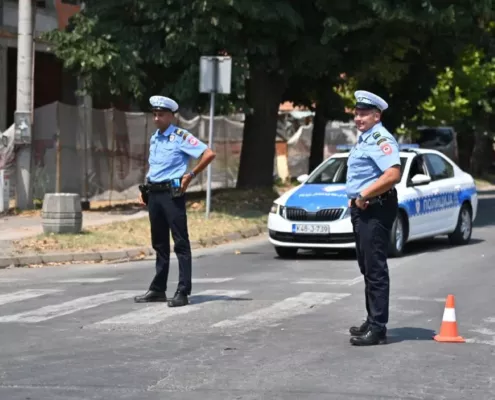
[310,228]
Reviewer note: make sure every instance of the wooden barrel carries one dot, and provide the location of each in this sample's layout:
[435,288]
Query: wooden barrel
[61,213]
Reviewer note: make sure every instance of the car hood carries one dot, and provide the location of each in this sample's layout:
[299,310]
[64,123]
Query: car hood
[314,197]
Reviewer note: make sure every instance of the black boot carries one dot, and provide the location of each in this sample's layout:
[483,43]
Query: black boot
[373,336]
[359,330]
[151,296]
[180,299]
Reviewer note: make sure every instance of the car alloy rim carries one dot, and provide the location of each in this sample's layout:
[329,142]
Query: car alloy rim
[465,224]
[398,235]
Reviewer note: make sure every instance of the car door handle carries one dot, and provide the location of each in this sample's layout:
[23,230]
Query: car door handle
[436,191]
[457,187]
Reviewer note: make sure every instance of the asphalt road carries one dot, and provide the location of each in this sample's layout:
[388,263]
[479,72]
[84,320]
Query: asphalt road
[258,328]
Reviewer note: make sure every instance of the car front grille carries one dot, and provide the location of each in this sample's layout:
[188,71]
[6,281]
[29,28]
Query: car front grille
[331,238]
[299,214]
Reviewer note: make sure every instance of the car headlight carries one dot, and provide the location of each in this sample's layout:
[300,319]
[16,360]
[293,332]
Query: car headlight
[274,208]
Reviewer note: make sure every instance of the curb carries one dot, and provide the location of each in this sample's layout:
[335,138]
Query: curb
[122,255]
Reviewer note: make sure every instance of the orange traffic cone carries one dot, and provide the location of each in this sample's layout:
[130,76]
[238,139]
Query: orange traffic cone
[448,330]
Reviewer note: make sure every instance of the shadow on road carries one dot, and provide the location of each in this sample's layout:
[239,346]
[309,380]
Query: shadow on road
[198,299]
[486,208]
[397,335]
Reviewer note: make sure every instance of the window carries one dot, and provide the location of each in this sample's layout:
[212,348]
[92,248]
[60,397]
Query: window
[335,171]
[417,167]
[439,168]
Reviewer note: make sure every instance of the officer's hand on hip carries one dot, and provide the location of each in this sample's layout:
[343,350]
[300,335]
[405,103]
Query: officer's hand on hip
[186,180]
[362,204]
[140,199]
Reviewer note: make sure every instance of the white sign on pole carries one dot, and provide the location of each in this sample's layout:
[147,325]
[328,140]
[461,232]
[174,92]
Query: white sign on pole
[213,69]
[4,191]
[215,75]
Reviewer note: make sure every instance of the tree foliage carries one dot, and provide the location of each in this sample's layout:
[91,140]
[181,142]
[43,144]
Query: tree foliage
[282,49]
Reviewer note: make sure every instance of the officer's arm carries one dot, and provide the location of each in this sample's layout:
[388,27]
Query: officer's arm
[206,158]
[386,156]
[197,149]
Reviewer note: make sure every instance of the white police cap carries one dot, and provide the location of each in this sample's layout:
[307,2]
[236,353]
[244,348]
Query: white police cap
[161,103]
[367,100]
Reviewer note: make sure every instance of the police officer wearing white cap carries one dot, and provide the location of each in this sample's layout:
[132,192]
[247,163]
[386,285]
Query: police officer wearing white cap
[167,180]
[373,169]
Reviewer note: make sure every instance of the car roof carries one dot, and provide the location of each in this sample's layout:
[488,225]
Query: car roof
[406,153]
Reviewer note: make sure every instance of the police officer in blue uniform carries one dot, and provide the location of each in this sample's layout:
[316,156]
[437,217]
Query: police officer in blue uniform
[373,169]
[167,180]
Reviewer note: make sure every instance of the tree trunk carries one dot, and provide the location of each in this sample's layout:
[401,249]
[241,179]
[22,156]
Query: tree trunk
[482,153]
[318,138]
[263,94]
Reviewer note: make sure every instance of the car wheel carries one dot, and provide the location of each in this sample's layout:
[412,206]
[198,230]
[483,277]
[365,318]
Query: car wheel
[464,228]
[286,252]
[397,237]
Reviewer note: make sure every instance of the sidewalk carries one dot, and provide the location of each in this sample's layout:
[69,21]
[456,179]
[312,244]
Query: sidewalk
[20,227]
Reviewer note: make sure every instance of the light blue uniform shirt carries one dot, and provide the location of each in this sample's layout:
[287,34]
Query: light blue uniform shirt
[376,151]
[170,153]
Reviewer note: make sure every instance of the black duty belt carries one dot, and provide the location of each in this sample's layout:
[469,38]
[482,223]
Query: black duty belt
[378,199]
[159,186]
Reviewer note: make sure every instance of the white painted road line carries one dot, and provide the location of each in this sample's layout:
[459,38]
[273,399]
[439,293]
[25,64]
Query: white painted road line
[480,341]
[484,331]
[25,295]
[302,304]
[154,313]
[211,280]
[490,320]
[417,298]
[339,282]
[69,307]
[88,280]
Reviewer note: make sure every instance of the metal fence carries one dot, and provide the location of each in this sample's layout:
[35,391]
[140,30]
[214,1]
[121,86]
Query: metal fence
[102,154]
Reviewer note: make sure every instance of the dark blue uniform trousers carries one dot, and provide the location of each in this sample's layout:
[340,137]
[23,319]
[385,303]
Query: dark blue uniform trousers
[167,215]
[372,228]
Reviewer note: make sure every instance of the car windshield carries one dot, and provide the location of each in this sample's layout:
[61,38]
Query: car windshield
[335,171]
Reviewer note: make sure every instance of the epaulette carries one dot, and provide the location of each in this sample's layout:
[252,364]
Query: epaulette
[181,133]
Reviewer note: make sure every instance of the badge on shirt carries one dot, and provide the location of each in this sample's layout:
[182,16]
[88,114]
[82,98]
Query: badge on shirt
[193,141]
[171,138]
[381,141]
[376,135]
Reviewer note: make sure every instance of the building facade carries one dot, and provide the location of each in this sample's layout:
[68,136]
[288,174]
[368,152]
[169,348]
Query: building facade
[50,82]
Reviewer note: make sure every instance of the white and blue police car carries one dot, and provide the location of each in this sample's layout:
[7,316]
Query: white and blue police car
[435,198]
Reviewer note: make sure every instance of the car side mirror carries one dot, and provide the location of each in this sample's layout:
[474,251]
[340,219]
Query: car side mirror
[302,178]
[420,179]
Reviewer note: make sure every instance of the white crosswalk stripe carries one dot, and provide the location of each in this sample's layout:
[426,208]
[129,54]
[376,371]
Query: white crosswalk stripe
[69,307]
[155,313]
[210,310]
[87,280]
[304,303]
[25,295]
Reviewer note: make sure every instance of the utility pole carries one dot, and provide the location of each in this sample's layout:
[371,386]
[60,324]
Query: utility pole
[23,117]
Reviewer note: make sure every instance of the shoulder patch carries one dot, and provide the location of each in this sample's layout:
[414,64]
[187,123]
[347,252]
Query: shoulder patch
[376,135]
[381,141]
[186,134]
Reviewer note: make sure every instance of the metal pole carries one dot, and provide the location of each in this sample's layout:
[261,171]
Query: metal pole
[24,103]
[210,135]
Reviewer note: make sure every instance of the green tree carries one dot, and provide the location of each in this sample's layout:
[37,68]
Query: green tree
[464,98]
